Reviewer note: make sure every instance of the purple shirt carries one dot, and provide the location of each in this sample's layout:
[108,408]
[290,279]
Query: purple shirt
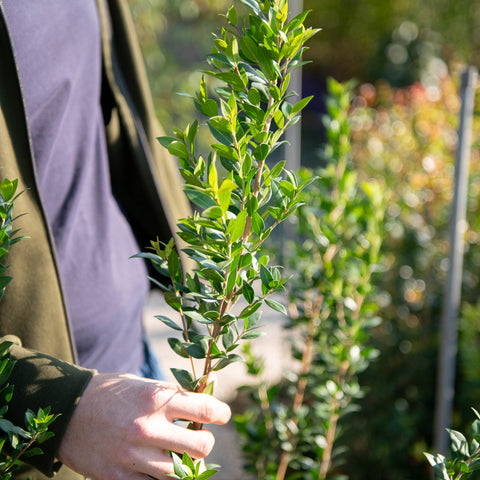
[58,52]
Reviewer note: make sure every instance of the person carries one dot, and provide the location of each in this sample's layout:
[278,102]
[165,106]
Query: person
[77,129]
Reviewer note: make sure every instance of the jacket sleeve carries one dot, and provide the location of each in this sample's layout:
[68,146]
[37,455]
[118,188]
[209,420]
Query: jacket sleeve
[40,381]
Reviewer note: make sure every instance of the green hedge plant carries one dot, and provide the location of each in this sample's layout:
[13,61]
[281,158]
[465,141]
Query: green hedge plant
[16,443]
[292,431]
[239,199]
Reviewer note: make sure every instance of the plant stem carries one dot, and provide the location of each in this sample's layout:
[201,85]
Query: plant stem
[307,359]
[332,424]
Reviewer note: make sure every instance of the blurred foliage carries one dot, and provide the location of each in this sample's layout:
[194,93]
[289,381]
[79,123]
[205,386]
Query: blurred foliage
[391,40]
[175,36]
[291,431]
[396,41]
[406,138]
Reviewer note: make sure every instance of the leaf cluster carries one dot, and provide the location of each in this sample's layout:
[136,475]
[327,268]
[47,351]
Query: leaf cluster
[17,443]
[8,236]
[239,199]
[186,468]
[464,458]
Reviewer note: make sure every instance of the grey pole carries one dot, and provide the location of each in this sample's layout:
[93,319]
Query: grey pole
[451,305]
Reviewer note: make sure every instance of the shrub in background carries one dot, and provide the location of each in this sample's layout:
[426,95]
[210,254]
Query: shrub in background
[406,139]
[292,431]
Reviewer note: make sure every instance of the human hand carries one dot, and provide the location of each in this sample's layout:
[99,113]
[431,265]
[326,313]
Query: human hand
[124,424]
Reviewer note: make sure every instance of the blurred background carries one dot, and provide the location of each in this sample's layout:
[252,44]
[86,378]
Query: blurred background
[405,57]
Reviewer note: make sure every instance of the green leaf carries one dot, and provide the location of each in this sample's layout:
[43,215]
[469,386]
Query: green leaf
[184,378]
[227,361]
[236,227]
[177,346]
[211,274]
[213,212]
[4,281]
[248,292]
[4,346]
[226,152]
[279,119]
[31,452]
[207,474]
[249,48]
[8,188]
[258,225]
[173,300]
[178,149]
[199,198]
[254,96]
[261,152]
[168,322]
[197,316]
[299,106]
[166,141]
[276,306]
[232,16]
[458,441]
[180,470]
[251,335]
[265,276]
[196,350]
[209,108]
[227,338]
[250,310]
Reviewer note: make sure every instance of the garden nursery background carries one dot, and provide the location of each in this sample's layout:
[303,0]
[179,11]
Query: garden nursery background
[405,58]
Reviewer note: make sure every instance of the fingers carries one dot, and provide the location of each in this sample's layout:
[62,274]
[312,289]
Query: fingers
[197,407]
[197,443]
[151,463]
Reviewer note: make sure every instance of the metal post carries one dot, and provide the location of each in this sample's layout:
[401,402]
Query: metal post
[451,305]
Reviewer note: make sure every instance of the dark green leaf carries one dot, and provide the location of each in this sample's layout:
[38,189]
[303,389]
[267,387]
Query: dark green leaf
[168,322]
[248,292]
[227,361]
[199,198]
[184,378]
[177,346]
[4,281]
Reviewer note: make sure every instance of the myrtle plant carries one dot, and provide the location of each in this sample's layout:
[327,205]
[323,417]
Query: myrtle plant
[239,198]
[292,429]
[16,443]
[464,458]
[8,236]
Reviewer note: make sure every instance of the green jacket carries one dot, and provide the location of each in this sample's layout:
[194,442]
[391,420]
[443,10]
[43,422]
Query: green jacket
[144,179]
